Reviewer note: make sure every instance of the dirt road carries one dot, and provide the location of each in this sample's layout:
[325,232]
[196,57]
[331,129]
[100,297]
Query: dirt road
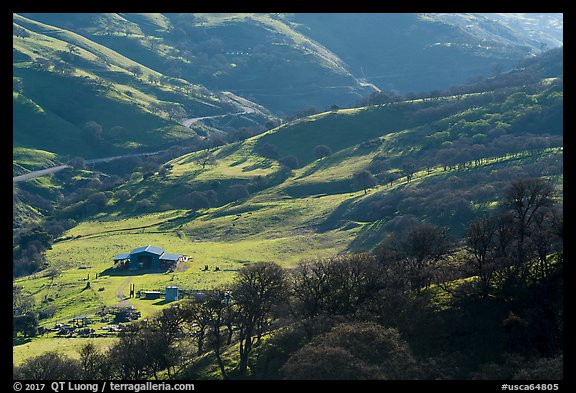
[122,298]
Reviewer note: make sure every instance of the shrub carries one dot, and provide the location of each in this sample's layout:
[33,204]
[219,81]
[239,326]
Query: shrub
[290,162]
[144,205]
[48,366]
[237,191]
[122,195]
[267,150]
[361,350]
[321,151]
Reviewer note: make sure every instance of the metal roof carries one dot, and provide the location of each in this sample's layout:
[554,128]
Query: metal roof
[150,249]
[170,257]
[120,257]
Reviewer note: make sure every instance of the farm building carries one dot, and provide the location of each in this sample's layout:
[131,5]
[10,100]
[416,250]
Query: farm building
[171,294]
[148,257]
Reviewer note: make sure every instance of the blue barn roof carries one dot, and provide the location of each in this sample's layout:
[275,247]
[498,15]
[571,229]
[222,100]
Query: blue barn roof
[120,257]
[150,249]
[170,257]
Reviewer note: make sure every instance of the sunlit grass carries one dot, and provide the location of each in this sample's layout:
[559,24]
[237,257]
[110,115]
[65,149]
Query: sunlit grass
[65,346]
[33,158]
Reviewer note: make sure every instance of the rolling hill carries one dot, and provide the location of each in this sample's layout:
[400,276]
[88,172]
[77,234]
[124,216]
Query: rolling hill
[290,62]
[442,160]
[141,76]
[257,56]
[62,81]
[424,52]
[332,183]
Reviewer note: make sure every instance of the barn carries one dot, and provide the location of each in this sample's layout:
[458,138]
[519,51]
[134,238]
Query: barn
[148,257]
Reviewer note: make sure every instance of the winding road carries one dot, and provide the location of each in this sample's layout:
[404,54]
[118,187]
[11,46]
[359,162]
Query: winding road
[184,122]
[189,122]
[54,169]
[42,172]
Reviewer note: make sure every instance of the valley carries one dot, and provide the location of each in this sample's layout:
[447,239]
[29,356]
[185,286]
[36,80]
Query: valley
[188,141]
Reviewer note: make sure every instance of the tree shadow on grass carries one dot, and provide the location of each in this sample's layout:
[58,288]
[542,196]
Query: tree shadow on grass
[20,341]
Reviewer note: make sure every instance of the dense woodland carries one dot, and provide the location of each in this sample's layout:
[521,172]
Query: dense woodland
[422,306]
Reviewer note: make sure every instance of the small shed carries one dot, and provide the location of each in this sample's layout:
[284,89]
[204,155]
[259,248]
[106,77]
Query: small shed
[80,321]
[171,294]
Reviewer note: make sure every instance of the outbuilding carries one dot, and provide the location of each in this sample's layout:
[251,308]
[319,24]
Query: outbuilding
[171,294]
[148,257]
[121,259]
[167,260]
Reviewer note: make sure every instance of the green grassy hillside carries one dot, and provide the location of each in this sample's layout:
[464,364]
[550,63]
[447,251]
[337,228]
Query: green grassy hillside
[421,52]
[444,161]
[287,215]
[63,80]
[289,62]
[258,56]
[75,97]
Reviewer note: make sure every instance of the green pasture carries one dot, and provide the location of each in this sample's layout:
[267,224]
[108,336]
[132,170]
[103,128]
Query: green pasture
[66,346]
[228,238]
[235,161]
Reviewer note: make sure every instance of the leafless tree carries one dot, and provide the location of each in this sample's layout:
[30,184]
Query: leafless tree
[257,290]
[526,200]
[480,241]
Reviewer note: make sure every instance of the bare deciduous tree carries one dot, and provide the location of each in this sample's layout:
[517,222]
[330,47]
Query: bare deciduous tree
[256,291]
